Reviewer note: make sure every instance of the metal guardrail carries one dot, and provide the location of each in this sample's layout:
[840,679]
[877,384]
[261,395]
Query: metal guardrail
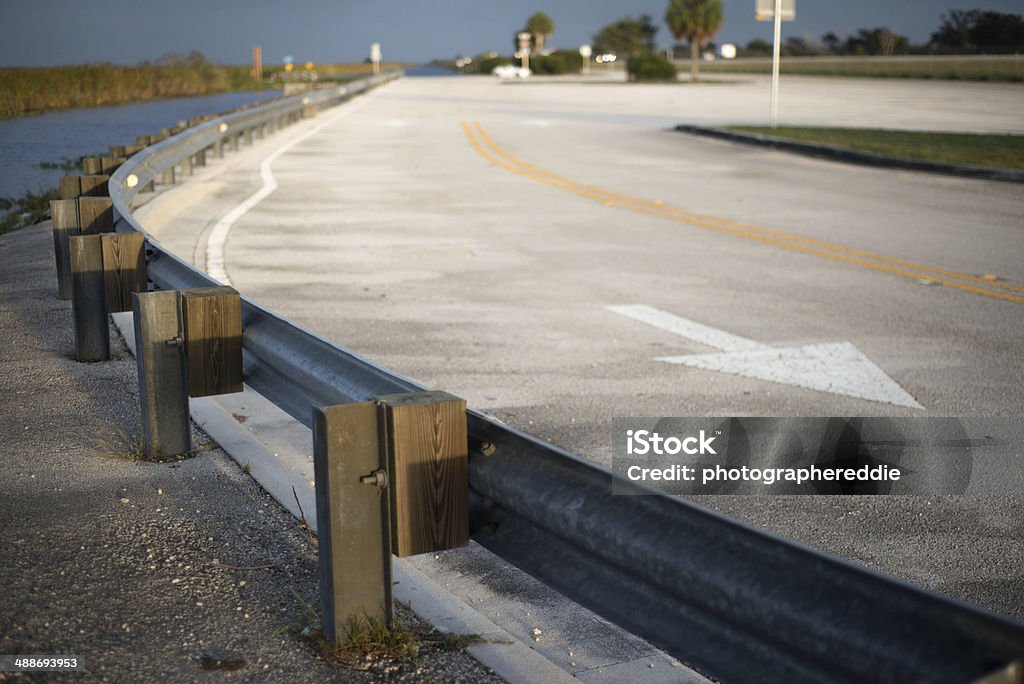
[731,600]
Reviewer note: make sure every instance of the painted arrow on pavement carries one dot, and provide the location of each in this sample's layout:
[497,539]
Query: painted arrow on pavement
[838,367]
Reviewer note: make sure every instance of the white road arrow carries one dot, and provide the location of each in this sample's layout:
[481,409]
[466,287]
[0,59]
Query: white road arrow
[839,368]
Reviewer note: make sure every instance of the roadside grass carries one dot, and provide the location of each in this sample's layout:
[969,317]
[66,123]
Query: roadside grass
[1009,68]
[993,150]
[27,210]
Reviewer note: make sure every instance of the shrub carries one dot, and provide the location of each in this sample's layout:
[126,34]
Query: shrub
[650,68]
[486,66]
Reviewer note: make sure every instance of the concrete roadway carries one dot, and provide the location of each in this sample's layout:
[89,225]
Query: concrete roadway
[449,253]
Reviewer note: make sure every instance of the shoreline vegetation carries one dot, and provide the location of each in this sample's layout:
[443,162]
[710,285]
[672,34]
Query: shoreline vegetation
[34,90]
[26,91]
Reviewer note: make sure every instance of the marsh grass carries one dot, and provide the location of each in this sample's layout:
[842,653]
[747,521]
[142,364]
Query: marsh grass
[33,90]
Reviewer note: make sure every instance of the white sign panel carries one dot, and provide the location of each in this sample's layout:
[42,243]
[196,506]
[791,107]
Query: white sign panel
[375,52]
[764,10]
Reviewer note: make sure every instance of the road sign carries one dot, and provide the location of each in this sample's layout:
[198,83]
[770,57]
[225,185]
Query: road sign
[375,57]
[586,51]
[764,10]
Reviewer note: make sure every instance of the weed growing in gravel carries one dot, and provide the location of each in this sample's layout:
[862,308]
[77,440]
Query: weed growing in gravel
[121,445]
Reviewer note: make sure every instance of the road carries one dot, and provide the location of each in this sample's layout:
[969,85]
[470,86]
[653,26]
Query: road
[473,235]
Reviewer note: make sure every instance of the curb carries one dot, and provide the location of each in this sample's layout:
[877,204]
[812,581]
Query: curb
[842,154]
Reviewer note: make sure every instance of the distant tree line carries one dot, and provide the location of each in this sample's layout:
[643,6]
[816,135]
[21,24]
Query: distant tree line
[960,32]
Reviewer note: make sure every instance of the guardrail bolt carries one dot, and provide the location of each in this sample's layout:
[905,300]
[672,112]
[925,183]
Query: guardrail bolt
[377,477]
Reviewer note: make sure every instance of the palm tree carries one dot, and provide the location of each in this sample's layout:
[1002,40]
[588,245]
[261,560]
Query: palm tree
[541,26]
[697,22]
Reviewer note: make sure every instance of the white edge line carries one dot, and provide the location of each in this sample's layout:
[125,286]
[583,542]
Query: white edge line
[218,237]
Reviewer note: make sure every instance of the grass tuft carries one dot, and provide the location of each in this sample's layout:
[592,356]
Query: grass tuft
[121,445]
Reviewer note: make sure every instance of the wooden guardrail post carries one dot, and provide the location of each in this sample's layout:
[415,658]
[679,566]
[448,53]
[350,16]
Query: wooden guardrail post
[234,137]
[186,165]
[167,175]
[211,320]
[124,268]
[188,343]
[249,136]
[201,157]
[91,166]
[78,186]
[159,356]
[427,451]
[89,305]
[65,224]
[391,478]
[109,164]
[95,215]
[353,533]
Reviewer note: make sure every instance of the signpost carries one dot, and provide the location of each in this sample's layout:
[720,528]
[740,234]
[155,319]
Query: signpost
[524,48]
[585,52]
[776,11]
[375,57]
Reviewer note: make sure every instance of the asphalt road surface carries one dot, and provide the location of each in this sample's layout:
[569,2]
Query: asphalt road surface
[473,235]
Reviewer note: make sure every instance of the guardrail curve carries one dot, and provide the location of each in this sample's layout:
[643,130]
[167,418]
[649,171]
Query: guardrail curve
[729,599]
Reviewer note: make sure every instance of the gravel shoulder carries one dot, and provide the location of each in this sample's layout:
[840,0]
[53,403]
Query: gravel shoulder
[185,571]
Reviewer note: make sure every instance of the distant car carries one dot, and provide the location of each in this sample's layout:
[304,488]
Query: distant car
[511,71]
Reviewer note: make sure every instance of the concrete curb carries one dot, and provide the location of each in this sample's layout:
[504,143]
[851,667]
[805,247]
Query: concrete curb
[842,154]
[282,475]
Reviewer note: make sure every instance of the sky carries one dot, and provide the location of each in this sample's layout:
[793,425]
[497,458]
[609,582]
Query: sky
[52,32]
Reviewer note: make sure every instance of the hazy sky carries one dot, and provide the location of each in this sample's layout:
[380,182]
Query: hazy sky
[47,32]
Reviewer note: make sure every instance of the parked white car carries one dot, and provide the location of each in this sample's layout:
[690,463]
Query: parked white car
[511,71]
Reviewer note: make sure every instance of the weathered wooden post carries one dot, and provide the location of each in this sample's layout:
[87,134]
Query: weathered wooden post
[249,136]
[109,164]
[95,215]
[124,268]
[167,175]
[91,166]
[160,359]
[212,323]
[88,301]
[427,449]
[201,157]
[186,165]
[65,224]
[352,513]
[77,186]
[391,477]
[188,343]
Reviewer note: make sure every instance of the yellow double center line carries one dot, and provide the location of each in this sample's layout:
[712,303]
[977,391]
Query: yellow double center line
[489,150]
